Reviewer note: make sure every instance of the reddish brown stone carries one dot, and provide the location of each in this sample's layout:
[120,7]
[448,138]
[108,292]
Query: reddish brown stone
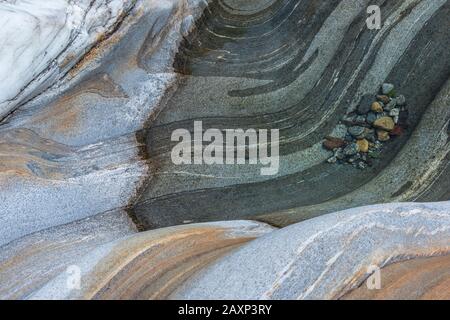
[332,143]
[397,131]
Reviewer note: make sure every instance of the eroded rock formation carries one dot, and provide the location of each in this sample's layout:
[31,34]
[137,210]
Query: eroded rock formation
[301,66]
[326,257]
[73,151]
[91,91]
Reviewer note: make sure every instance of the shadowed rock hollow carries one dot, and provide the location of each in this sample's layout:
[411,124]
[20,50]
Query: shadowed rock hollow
[301,66]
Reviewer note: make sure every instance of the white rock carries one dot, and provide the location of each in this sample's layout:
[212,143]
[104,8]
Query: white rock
[42,39]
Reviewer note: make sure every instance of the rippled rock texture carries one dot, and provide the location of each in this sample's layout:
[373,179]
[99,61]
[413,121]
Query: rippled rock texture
[91,91]
[74,150]
[151,265]
[300,66]
[326,257]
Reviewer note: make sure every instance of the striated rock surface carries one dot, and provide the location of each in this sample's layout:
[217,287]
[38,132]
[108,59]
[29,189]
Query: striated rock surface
[91,91]
[301,67]
[420,278]
[74,151]
[325,257]
[150,265]
[30,262]
[328,257]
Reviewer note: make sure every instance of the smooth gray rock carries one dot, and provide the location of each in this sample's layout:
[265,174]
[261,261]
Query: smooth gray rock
[351,149]
[387,88]
[356,131]
[372,117]
[325,257]
[391,105]
[365,104]
[401,100]
[30,262]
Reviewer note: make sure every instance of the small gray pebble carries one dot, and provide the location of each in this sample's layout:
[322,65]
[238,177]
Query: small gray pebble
[349,138]
[371,117]
[361,119]
[362,165]
[387,88]
[339,154]
[365,104]
[351,149]
[332,160]
[339,131]
[356,131]
[401,100]
[391,105]
[348,119]
[394,112]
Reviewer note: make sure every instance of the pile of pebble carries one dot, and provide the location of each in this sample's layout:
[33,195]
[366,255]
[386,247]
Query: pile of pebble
[359,137]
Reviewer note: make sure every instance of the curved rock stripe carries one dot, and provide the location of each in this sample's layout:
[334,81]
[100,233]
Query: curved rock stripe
[150,265]
[301,66]
[325,257]
[30,262]
[75,150]
[417,173]
[417,279]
